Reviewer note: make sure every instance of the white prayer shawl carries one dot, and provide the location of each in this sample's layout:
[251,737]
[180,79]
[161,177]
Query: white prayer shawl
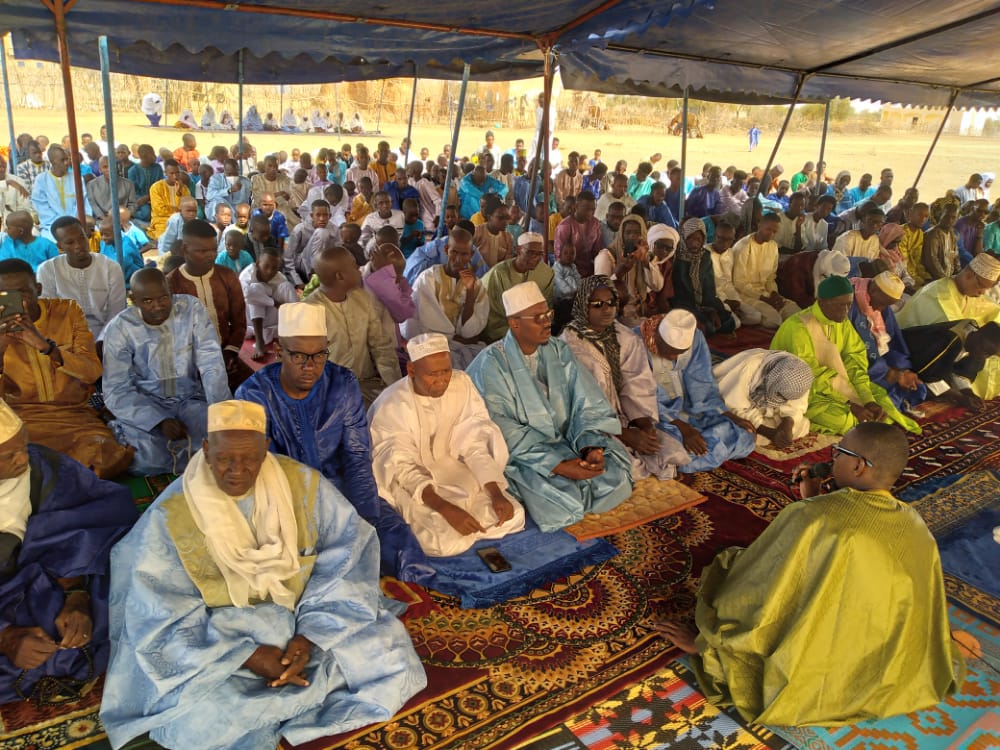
[15,504]
[254,562]
[429,289]
[449,443]
[737,375]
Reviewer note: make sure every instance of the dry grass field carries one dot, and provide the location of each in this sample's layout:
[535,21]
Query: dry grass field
[954,159]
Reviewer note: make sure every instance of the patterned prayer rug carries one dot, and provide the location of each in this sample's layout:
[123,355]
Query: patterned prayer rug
[962,516]
[969,720]
[500,676]
[651,499]
[665,710]
[24,726]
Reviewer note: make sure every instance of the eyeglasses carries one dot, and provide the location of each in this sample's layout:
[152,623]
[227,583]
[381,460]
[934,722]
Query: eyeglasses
[540,318]
[838,448]
[300,358]
[600,304]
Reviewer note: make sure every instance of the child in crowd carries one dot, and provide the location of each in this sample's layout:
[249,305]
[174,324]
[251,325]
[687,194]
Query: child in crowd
[234,257]
[413,228]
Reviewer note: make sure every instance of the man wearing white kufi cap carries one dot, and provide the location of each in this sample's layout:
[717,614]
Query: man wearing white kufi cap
[260,581]
[449,299]
[58,522]
[971,294]
[558,425]
[438,457]
[527,265]
[162,368]
[889,361]
[316,415]
[691,407]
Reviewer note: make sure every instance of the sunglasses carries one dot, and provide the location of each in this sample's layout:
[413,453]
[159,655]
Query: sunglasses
[838,448]
[540,318]
[600,304]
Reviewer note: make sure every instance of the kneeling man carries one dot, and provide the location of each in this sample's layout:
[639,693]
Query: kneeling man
[557,423]
[438,457]
[57,524]
[836,614]
[245,606]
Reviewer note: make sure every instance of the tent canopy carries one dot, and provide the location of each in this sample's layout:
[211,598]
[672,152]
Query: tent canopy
[916,52]
[313,41]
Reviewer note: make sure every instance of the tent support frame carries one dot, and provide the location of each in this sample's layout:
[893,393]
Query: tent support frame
[684,152]
[822,148]
[454,147]
[12,165]
[546,140]
[239,105]
[409,125]
[109,123]
[765,183]
[937,136]
[59,9]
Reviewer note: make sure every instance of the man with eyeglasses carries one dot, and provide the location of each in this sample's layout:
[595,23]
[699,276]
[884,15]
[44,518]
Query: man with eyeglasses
[316,415]
[527,265]
[836,614]
[162,368]
[560,429]
[842,394]
[968,295]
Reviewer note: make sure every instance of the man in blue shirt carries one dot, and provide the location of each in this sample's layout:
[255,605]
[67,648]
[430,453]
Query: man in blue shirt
[657,210]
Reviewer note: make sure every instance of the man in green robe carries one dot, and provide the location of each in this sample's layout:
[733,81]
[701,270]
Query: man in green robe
[842,395]
[527,265]
[836,613]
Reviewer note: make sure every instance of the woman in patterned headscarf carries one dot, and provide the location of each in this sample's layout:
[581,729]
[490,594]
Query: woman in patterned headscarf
[694,281]
[628,260]
[617,359]
[770,390]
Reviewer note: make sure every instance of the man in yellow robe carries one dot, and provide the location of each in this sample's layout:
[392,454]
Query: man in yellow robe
[165,199]
[842,394]
[836,613]
[48,365]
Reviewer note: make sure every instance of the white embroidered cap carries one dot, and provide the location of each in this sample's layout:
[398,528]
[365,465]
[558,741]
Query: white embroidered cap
[677,329]
[427,344]
[301,319]
[891,284]
[237,415]
[10,423]
[521,297]
[986,266]
[527,237]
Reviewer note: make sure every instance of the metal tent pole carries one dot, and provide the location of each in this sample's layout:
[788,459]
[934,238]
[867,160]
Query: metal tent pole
[239,105]
[12,166]
[781,135]
[336,106]
[59,11]
[454,147]
[112,158]
[937,135]
[409,126]
[684,152]
[546,139]
[822,146]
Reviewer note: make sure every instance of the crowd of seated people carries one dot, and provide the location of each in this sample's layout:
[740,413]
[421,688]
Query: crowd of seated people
[352,374]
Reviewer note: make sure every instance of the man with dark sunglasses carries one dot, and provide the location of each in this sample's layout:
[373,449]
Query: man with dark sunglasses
[836,614]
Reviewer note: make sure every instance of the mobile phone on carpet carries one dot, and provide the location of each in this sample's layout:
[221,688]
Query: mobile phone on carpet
[496,562]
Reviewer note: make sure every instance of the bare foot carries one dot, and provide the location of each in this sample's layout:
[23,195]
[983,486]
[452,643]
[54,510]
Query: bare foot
[682,635]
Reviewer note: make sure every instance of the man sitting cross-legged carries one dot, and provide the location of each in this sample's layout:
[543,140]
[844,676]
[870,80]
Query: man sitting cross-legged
[316,415]
[57,524]
[558,425]
[438,457]
[162,368]
[245,606]
[836,614]
[49,366]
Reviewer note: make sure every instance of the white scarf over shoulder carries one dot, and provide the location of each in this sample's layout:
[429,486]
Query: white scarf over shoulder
[255,562]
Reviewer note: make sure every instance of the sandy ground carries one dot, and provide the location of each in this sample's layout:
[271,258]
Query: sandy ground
[954,158]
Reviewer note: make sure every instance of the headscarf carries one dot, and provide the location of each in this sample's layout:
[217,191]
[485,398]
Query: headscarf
[938,207]
[875,320]
[693,257]
[889,234]
[782,377]
[838,192]
[606,341]
[635,280]
[208,119]
[648,330]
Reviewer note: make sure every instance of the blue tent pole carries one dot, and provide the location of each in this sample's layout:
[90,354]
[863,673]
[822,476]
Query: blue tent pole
[684,153]
[116,221]
[239,105]
[822,149]
[409,126]
[937,135]
[454,148]
[10,109]
[765,182]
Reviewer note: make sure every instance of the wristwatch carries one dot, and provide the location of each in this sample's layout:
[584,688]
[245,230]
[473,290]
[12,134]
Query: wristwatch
[52,348]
